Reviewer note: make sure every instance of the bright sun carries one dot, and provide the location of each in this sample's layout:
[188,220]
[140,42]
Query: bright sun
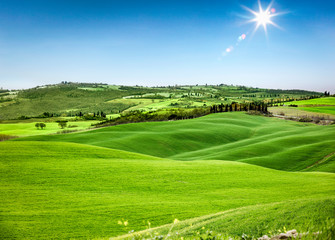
[263,17]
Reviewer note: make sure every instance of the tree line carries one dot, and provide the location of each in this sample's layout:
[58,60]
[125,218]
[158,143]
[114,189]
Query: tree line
[160,115]
[235,107]
[180,113]
[327,94]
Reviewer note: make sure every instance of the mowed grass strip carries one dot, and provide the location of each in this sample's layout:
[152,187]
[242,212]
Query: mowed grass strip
[269,142]
[67,190]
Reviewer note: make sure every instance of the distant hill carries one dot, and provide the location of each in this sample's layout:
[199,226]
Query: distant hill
[69,99]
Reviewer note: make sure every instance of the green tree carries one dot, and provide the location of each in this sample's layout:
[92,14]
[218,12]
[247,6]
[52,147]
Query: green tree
[62,124]
[40,125]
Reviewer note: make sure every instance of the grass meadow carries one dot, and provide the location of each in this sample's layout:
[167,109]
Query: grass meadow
[69,99]
[230,173]
[325,101]
[322,108]
[28,128]
[324,105]
[69,190]
[251,222]
[269,142]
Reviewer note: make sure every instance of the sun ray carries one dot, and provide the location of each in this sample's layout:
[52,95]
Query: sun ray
[269,6]
[249,10]
[260,6]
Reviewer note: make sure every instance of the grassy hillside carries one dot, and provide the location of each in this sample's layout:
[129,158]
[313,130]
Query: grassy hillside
[68,190]
[109,181]
[69,99]
[327,164]
[320,109]
[66,99]
[269,142]
[325,105]
[27,129]
[253,221]
[330,101]
[321,113]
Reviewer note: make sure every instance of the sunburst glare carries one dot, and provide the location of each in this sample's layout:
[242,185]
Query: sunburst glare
[263,17]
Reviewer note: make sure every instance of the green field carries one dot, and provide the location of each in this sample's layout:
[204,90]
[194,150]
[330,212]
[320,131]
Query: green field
[300,112]
[67,190]
[327,110]
[231,173]
[268,142]
[70,99]
[325,105]
[145,104]
[317,101]
[254,221]
[319,107]
[28,129]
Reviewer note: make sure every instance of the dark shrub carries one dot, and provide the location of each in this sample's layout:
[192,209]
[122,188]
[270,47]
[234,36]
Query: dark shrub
[305,119]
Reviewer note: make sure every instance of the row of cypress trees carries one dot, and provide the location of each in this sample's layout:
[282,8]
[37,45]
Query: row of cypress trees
[234,107]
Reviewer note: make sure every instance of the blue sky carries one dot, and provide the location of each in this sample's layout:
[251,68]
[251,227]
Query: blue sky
[149,43]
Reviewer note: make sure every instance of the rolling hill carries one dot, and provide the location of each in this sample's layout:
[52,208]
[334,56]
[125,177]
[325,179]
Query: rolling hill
[268,142]
[70,190]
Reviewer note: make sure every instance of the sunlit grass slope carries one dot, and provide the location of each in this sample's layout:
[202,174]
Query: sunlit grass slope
[325,165]
[318,105]
[313,215]
[29,129]
[320,109]
[268,142]
[316,101]
[68,190]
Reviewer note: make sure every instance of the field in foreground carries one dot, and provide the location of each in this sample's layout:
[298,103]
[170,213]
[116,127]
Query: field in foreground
[252,222]
[202,172]
[68,190]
